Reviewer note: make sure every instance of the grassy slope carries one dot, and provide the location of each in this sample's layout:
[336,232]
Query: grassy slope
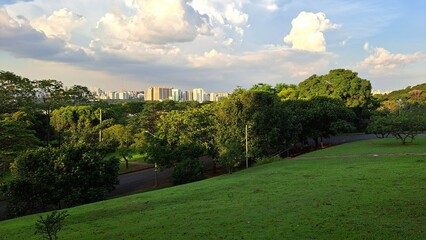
[386,145]
[355,198]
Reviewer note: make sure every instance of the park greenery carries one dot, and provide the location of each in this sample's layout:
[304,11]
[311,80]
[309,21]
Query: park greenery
[354,196]
[56,142]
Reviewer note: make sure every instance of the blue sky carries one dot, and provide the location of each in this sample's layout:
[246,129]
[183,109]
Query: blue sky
[214,44]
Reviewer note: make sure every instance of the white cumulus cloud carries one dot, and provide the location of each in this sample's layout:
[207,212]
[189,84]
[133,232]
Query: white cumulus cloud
[224,14]
[307,31]
[366,46]
[269,5]
[59,24]
[154,22]
[21,39]
[381,60]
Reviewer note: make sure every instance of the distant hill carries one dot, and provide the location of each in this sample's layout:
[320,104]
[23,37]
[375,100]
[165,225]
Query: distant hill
[416,93]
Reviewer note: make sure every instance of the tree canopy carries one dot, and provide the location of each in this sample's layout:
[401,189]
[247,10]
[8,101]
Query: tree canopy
[342,84]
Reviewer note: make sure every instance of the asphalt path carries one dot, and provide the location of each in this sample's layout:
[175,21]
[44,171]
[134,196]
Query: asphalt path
[140,180]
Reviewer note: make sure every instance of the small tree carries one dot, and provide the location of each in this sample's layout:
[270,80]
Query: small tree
[230,154]
[122,139]
[403,127]
[51,225]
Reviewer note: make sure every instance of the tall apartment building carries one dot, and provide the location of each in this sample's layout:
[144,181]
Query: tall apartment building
[149,95]
[177,95]
[198,95]
[158,93]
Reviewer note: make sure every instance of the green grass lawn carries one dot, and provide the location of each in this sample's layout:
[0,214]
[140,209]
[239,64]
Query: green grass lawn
[348,198]
[385,145]
[136,157]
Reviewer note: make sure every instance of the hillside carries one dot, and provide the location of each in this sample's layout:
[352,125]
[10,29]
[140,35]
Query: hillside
[355,197]
[415,93]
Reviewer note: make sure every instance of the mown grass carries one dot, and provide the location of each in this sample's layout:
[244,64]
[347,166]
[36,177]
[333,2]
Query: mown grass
[348,198]
[136,157]
[384,145]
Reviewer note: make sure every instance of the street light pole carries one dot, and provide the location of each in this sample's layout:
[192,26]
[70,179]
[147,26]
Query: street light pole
[246,146]
[100,125]
[155,164]
[399,101]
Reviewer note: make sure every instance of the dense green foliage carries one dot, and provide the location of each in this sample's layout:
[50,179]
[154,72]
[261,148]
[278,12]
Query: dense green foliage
[270,124]
[188,170]
[340,84]
[403,124]
[358,197]
[321,117]
[69,175]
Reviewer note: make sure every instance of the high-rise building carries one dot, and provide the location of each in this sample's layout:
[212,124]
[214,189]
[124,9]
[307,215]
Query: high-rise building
[149,95]
[198,95]
[177,95]
[158,93]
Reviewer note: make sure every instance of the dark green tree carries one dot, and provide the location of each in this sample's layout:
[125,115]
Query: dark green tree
[121,138]
[16,93]
[321,117]
[342,84]
[270,124]
[403,125]
[15,137]
[71,175]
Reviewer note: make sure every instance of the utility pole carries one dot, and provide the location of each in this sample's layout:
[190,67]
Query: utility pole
[100,124]
[246,146]
[155,164]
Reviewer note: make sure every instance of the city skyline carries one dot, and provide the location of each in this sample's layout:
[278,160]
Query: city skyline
[216,45]
[158,93]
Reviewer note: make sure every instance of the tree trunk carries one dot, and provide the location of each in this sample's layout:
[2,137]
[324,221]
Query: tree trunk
[126,160]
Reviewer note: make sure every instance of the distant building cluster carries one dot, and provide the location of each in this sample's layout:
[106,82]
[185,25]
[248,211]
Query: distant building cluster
[116,95]
[374,92]
[159,94]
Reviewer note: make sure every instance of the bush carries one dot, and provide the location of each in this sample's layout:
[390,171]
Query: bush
[51,225]
[189,170]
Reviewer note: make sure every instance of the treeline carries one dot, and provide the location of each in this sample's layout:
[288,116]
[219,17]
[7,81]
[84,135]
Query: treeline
[52,138]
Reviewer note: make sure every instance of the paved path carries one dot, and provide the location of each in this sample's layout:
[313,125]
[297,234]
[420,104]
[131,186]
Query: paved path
[145,179]
[361,155]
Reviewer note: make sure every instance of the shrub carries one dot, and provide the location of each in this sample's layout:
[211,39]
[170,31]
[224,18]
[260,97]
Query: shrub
[189,170]
[51,225]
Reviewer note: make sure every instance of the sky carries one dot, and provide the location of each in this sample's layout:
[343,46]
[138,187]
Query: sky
[217,45]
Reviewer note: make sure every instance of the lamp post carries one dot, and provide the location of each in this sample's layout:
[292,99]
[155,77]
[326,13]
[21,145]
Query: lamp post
[247,145]
[399,101]
[155,164]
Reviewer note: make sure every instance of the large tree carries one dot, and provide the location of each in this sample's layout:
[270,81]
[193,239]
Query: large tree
[80,123]
[16,93]
[341,84]
[321,117]
[71,175]
[121,138]
[269,124]
[15,137]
